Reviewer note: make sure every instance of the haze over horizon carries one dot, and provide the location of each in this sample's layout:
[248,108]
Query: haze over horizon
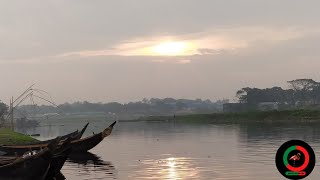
[123,51]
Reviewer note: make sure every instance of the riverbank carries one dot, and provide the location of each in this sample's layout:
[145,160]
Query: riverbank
[8,136]
[286,116]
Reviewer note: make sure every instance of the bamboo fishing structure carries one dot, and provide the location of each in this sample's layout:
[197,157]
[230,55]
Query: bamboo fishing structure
[14,103]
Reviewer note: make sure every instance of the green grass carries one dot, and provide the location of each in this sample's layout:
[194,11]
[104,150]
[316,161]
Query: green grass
[8,136]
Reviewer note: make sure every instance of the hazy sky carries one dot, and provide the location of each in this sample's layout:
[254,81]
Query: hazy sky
[127,50]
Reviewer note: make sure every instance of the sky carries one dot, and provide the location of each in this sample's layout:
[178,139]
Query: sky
[116,50]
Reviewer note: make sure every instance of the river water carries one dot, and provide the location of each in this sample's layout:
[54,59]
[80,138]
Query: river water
[173,151]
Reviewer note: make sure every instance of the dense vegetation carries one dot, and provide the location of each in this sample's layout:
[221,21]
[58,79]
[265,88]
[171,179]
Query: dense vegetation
[132,110]
[286,116]
[301,92]
[3,110]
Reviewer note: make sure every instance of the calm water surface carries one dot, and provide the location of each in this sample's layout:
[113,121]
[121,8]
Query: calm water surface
[173,151]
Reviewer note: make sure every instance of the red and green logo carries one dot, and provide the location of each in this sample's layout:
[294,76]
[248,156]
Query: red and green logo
[295,159]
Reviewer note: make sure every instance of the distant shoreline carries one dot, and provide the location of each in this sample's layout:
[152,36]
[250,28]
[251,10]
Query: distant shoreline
[285,116]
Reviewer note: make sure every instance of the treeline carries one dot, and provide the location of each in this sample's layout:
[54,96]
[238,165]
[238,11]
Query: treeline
[146,107]
[300,92]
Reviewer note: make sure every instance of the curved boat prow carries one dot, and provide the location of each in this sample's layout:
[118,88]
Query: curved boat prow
[108,130]
[83,130]
[113,124]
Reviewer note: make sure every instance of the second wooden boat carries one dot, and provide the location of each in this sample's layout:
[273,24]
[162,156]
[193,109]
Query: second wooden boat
[80,145]
[73,136]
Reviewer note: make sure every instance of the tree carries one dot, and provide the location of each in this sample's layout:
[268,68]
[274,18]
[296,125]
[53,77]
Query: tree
[304,89]
[3,109]
[315,94]
[242,94]
[303,84]
[256,96]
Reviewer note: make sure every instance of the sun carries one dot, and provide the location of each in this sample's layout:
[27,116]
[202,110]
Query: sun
[170,48]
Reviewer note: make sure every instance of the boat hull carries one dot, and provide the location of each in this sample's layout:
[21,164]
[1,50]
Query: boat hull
[84,145]
[31,168]
[57,163]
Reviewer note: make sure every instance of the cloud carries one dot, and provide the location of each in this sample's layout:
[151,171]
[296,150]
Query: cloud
[184,61]
[33,29]
[97,50]
[211,75]
[204,51]
[174,60]
[209,42]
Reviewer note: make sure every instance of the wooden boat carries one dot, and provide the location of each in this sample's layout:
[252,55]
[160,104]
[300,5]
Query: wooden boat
[31,167]
[58,156]
[74,136]
[80,145]
[6,160]
[20,151]
[57,162]
[85,144]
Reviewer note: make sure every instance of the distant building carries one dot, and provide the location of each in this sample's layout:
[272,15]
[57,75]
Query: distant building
[267,106]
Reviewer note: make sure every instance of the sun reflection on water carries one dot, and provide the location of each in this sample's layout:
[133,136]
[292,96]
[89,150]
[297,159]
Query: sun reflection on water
[172,173]
[172,168]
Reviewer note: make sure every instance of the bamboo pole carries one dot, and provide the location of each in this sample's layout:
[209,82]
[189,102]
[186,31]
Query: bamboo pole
[12,125]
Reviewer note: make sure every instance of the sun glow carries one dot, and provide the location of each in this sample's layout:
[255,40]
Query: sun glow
[171,48]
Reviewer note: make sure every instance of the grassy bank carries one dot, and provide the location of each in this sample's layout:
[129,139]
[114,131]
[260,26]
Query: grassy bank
[8,136]
[287,116]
